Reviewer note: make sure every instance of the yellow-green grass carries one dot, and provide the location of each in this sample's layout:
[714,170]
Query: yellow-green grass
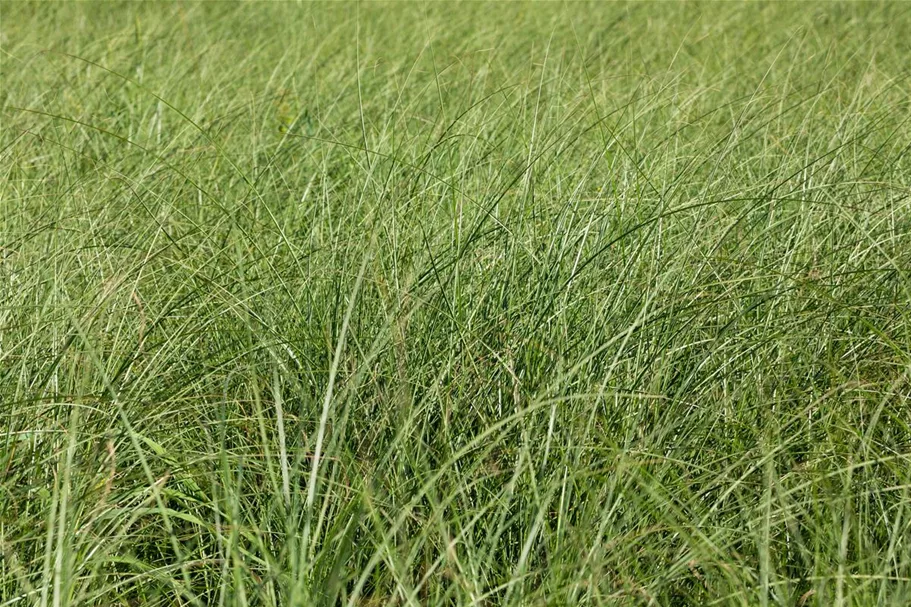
[455,304]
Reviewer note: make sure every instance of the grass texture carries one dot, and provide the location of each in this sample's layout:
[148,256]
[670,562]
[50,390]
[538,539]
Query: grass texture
[455,304]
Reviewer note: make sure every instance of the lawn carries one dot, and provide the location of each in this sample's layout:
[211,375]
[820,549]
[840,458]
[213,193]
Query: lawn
[455,304]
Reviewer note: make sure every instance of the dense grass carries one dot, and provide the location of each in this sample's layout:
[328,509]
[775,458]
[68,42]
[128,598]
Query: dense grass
[431,304]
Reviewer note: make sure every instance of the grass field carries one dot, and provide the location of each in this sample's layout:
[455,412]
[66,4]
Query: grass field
[455,304]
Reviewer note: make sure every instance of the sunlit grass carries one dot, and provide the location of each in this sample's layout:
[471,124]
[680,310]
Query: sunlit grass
[455,304]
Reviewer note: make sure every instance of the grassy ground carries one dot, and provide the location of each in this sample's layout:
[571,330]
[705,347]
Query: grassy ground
[431,304]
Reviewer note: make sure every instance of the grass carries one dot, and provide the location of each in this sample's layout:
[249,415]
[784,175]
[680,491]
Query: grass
[473,304]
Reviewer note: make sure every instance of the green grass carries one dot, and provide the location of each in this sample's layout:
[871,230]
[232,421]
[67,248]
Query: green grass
[474,304]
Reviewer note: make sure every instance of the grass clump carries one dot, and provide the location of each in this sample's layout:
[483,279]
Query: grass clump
[475,304]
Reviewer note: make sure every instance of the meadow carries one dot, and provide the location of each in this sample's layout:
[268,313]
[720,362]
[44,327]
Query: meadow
[444,303]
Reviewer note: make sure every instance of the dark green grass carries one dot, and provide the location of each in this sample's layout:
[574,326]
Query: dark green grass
[476,304]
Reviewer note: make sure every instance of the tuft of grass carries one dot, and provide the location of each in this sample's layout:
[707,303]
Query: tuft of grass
[455,304]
